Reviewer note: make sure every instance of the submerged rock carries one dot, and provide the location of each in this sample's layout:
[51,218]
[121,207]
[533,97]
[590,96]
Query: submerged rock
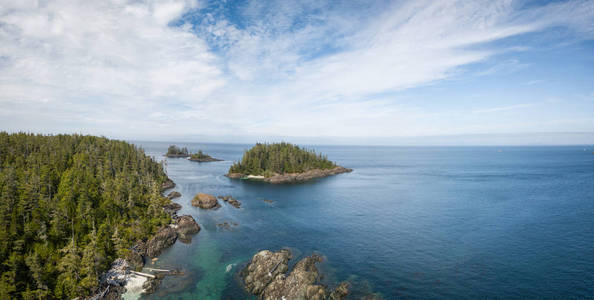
[205,201]
[340,292]
[227,225]
[186,227]
[163,239]
[229,199]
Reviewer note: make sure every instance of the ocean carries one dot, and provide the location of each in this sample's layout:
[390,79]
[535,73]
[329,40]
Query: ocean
[407,223]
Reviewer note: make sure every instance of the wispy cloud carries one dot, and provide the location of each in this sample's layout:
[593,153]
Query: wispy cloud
[274,68]
[503,108]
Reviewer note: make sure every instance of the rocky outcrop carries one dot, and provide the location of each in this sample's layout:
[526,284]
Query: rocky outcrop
[204,159]
[186,227]
[136,256]
[205,201]
[173,195]
[235,175]
[231,200]
[263,268]
[171,208]
[266,277]
[163,239]
[299,284]
[294,177]
[112,282]
[168,184]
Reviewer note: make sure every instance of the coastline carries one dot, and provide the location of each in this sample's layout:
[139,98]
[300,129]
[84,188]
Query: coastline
[122,281]
[292,177]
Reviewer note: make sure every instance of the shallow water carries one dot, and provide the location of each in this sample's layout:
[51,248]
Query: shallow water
[409,222]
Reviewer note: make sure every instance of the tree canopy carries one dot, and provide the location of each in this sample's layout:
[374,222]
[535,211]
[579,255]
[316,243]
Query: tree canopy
[70,205]
[279,158]
[175,151]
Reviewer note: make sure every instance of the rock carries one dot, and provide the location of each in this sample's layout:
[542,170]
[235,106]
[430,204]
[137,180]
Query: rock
[234,202]
[263,268]
[151,285]
[205,201]
[340,292]
[136,256]
[294,177]
[234,175]
[171,208]
[300,284]
[204,159]
[168,184]
[186,226]
[227,225]
[173,195]
[163,239]
[305,176]
[230,200]
[266,277]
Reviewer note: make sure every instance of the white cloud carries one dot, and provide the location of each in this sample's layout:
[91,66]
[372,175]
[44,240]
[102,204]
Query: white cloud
[305,68]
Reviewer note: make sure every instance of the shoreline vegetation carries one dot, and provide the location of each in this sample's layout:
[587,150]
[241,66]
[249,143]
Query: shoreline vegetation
[283,163]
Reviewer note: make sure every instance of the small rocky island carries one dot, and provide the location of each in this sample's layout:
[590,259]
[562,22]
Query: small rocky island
[175,152]
[266,276]
[283,163]
[202,157]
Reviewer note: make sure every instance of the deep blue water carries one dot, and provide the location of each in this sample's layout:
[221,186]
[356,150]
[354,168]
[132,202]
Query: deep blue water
[409,222]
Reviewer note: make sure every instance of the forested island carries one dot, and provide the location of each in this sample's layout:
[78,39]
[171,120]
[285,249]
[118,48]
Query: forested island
[202,157]
[283,162]
[174,151]
[70,205]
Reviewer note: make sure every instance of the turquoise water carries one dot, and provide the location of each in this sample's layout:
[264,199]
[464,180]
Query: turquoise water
[409,222]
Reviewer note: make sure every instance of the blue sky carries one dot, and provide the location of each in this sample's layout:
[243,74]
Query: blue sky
[381,72]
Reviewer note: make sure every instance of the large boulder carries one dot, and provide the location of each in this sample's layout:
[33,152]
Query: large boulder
[300,284]
[163,239]
[186,227]
[266,276]
[263,268]
[205,201]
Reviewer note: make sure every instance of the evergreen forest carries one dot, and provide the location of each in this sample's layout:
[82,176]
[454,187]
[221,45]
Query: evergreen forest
[70,205]
[279,158]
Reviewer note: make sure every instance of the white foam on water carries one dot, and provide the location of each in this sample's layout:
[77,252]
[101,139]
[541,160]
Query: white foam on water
[134,287]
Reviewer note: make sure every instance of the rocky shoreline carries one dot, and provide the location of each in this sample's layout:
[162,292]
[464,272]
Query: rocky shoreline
[293,177]
[207,159]
[115,281]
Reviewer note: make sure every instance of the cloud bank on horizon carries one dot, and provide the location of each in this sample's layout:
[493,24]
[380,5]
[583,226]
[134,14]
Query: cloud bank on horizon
[374,69]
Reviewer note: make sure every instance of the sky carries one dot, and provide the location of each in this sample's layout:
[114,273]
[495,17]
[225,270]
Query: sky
[361,72]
